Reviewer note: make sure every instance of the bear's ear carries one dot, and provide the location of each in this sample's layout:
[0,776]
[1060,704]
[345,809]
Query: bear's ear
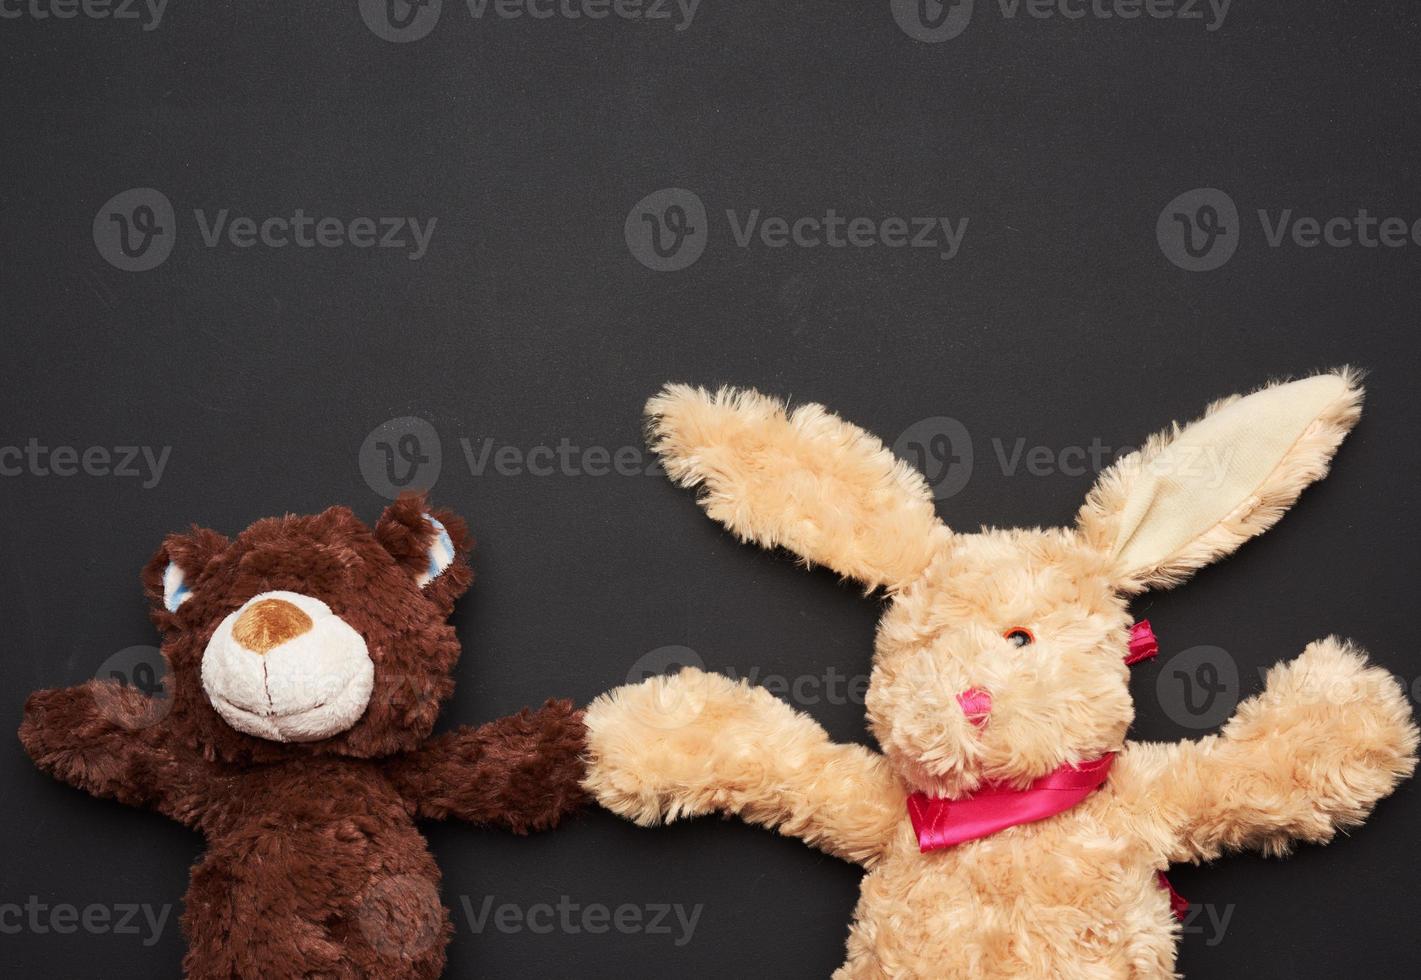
[431,544]
[170,575]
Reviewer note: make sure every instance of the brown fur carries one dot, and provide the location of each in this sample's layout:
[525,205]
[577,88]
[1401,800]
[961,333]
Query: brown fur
[1075,895]
[314,866]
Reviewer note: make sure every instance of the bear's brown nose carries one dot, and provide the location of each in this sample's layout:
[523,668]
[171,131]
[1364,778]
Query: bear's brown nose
[269,623]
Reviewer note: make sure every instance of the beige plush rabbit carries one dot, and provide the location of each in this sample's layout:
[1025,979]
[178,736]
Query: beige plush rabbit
[1008,828]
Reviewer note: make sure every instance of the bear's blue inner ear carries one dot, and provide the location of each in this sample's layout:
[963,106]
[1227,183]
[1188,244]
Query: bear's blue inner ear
[175,587]
[441,554]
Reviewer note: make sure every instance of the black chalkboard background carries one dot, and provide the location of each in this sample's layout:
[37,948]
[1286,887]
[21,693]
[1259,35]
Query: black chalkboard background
[540,313]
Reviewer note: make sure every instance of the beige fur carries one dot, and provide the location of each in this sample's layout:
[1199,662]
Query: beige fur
[806,481]
[1075,895]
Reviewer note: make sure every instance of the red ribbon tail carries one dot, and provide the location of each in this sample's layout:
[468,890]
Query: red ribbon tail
[1178,904]
[1143,644]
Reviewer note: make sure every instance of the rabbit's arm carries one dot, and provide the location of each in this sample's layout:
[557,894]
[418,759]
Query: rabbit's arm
[523,772]
[1327,738]
[697,743]
[110,740]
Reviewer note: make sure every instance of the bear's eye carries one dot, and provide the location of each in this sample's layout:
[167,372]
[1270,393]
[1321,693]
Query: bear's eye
[1019,636]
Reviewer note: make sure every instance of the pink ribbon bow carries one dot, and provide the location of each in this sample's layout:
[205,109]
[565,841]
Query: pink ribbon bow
[943,823]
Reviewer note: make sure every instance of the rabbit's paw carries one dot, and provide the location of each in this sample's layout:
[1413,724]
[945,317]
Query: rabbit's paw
[1334,724]
[680,745]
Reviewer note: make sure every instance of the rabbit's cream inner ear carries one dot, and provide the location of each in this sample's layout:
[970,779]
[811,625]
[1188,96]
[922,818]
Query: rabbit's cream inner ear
[1216,466]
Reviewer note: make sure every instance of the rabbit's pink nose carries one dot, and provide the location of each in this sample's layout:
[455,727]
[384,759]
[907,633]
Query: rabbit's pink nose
[976,705]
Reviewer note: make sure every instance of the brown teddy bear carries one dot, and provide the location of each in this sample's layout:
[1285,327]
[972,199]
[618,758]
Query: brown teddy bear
[307,660]
[1008,828]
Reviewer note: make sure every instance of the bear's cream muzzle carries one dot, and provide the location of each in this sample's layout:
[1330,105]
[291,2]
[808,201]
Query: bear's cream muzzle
[285,668]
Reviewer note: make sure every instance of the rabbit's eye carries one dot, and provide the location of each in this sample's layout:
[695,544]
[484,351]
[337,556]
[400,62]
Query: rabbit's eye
[1019,636]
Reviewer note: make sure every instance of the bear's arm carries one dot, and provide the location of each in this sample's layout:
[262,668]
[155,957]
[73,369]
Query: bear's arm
[110,740]
[1327,738]
[696,743]
[523,772]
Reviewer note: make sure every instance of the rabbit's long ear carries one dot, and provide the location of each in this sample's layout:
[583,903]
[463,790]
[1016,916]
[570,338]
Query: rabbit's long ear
[1194,494]
[805,480]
